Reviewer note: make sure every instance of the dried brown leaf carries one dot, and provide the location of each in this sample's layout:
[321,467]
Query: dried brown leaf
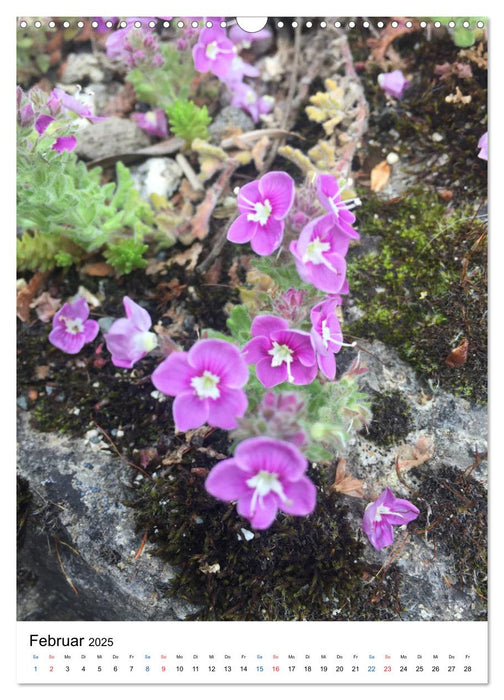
[98,269]
[380,175]
[458,356]
[45,306]
[26,295]
[346,483]
[409,456]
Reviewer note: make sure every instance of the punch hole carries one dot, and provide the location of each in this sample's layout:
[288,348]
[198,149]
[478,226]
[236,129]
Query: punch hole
[294,24]
[480,25]
[252,24]
[351,25]
[451,24]
[152,24]
[223,24]
[194,24]
[423,24]
[409,24]
[94,24]
[52,24]
[437,24]
[166,24]
[280,24]
[465,24]
[123,24]
[337,24]
[66,24]
[380,24]
[365,25]
[109,24]
[80,24]
[323,24]
[180,24]
[394,24]
[208,24]
[138,24]
[23,24]
[309,24]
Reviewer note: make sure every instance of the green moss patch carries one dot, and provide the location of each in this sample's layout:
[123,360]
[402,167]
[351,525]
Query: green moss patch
[424,291]
[391,419]
[299,569]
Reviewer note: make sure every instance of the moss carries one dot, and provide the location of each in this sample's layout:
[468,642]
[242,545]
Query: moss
[425,289]
[455,514]
[24,501]
[300,568]
[391,418]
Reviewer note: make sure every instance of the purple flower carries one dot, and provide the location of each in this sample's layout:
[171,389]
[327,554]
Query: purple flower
[264,476]
[281,412]
[64,143]
[71,329]
[206,382]
[263,204]
[213,52]
[319,255]
[129,339]
[326,336]
[246,98]
[386,511]
[239,69]
[26,115]
[43,122]
[60,98]
[280,354]
[483,146]
[329,196]
[393,83]
[153,122]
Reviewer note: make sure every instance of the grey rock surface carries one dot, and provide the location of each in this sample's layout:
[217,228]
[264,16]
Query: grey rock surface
[77,514]
[229,118]
[110,137]
[80,67]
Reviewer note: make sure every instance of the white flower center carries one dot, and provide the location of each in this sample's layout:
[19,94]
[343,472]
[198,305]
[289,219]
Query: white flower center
[384,510]
[262,212]
[145,342]
[73,325]
[262,483]
[151,118]
[315,250]
[279,354]
[212,50]
[206,386]
[326,334]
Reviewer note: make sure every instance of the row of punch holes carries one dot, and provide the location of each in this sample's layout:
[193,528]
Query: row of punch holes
[180,24]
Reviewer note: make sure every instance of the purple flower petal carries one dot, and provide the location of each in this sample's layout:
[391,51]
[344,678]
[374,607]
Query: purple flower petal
[91,329]
[43,122]
[327,364]
[263,513]
[271,376]
[172,376]
[67,342]
[189,411]
[272,455]
[302,495]
[278,188]
[242,230]
[64,143]
[248,195]
[139,316]
[266,325]
[226,481]
[267,238]
[256,350]
[303,374]
[222,359]
[223,412]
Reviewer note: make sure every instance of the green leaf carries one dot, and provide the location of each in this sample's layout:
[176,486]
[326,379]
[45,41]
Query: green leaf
[239,323]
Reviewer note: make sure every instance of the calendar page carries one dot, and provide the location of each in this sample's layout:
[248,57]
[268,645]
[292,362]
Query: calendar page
[252,350]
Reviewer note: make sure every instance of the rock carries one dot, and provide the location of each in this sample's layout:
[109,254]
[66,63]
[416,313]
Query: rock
[110,137]
[86,67]
[78,512]
[229,118]
[157,175]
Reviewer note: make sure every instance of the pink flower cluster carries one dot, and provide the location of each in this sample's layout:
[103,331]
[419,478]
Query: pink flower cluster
[36,109]
[215,52]
[135,46]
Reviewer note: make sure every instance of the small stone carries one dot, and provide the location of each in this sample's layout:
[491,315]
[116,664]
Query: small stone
[437,137]
[85,67]
[160,176]
[111,137]
[229,118]
[392,158]
[22,403]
